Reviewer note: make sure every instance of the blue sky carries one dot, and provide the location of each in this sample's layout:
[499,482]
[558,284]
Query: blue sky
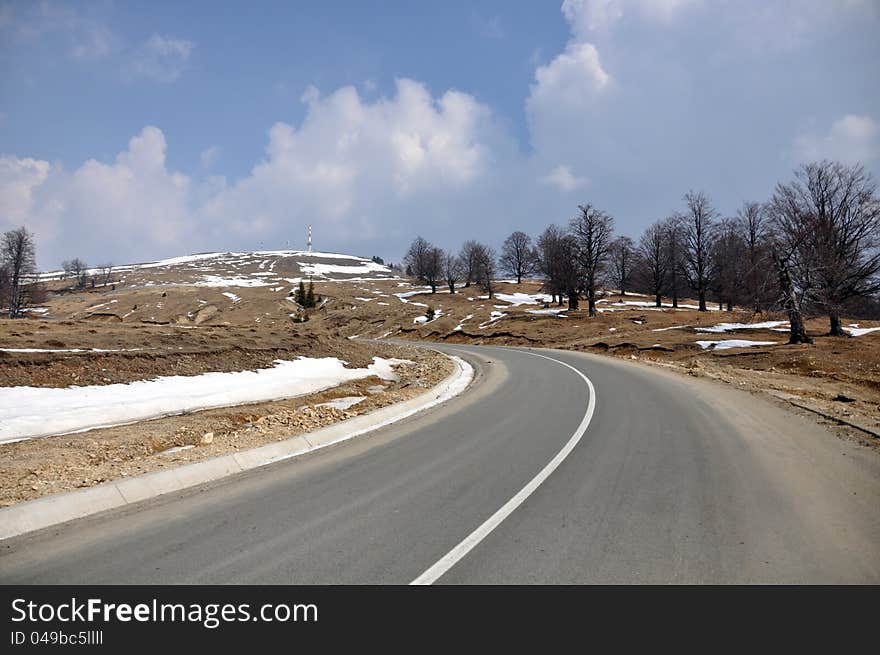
[131,131]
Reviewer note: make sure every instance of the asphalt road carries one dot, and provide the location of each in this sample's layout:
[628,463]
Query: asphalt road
[673,481]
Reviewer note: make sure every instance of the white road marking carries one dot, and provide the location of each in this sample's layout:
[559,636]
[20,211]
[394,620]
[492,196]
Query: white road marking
[472,540]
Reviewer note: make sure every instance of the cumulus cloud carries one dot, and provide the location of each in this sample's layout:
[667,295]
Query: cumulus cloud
[566,88]
[357,168]
[161,58]
[571,81]
[100,210]
[850,139]
[563,179]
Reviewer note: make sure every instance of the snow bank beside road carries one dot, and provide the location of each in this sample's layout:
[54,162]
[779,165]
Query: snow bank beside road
[28,412]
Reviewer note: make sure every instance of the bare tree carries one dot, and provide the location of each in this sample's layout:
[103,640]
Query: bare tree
[452,270]
[18,258]
[837,208]
[468,257]
[548,255]
[674,238]
[728,264]
[699,220]
[622,253]
[791,258]
[755,234]
[425,261]
[518,255]
[107,271]
[653,251]
[558,255]
[592,229]
[485,259]
[79,271]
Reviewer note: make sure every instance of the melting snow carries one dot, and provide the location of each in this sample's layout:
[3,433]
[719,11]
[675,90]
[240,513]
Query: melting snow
[27,412]
[726,327]
[724,344]
[855,331]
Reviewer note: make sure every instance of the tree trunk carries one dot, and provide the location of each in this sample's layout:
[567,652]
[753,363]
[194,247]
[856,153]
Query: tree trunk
[591,301]
[559,304]
[452,287]
[433,287]
[657,302]
[675,298]
[701,295]
[836,327]
[519,278]
[572,300]
[729,306]
[797,333]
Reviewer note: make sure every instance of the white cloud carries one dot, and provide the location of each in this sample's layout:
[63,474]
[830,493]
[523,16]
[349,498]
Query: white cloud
[353,163]
[18,179]
[587,16]
[357,168]
[571,81]
[568,87]
[161,58]
[850,139]
[563,179]
[100,210]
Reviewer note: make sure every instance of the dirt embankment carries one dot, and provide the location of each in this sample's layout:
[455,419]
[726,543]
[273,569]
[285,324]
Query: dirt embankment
[34,468]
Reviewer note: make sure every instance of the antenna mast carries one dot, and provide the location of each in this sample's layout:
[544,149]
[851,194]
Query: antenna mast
[310,238]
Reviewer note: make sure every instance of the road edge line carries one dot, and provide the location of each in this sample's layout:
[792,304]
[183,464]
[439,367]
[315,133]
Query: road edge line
[466,545]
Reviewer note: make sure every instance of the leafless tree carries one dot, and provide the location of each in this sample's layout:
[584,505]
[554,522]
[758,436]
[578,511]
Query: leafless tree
[728,264]
[17,257]
[791,259]
[674,239]
[558,256]
[485,259]
[699,220]
[653,251]
[79,271]
[623,255]
[837,208]
[517,255]
[592,229]
[425,261]
[452,269]
[468,257]
[754,232]
[107,272]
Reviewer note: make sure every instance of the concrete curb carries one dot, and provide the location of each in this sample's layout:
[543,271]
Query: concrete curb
[59,508]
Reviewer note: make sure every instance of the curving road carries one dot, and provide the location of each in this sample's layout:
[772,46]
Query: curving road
[528,477]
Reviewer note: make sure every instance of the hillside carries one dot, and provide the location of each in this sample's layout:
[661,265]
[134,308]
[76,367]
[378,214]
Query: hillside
[229,312]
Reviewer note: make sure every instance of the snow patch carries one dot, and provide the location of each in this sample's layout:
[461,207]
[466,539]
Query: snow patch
[724,344]
[28,412]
